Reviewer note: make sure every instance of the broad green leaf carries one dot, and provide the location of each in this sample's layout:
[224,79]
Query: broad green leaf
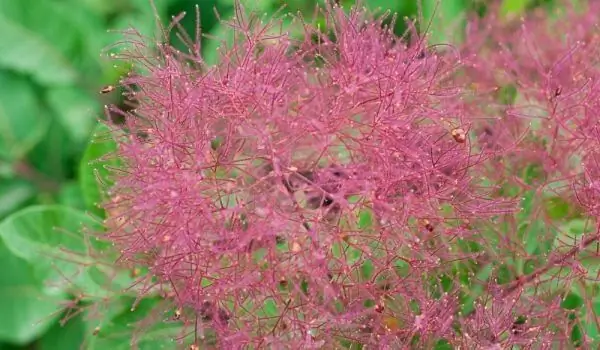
[532,234]
[578,227]
[591,328]
[447,18]
[382,5]
[144,326]
[106,7]
[366,270]
[577,336]
[71,30]
[220,37]
[472,292]
[93,167]
[51,239]
[259,6]
[511,8]
[101,281]
[13,194]
[70,195]
[572,301]
[443,344]
[556,208]
[22,121]
[26,52]
[75,109]
[54,154]
[507,94]
[270,308]
[138,14]
[27,312]
[570,233]
[365,219]
[68,336]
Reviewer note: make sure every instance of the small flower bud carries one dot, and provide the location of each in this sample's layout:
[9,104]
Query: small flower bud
[459,135]
[107,89]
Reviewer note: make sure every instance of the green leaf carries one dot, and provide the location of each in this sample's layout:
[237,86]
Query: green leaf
[366,270]
[365,219]
[507,94]
[136,14]
[13,194]
[51,239]
[591,328]
[56,155]
[511,8]
[260,6]
[70,195]
[93,167]
[570,232]
[556,208]
[578,227]
[572,301]
[270,308]
[381,5]
[577,336]
[472,292]
[22,122]
[75,110]
[26,52]
[67,336]
[27,312]
[447,18]
[220,37]
[100,281]
[70,30]
[443,344]
[144,325]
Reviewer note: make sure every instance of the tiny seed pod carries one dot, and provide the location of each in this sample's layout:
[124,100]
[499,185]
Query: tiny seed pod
[519,325]
[107,89]
[169,295]
[316,201]
[467,224]
[283,283]
[379,308]
[558,91]
[135,272]
[428,226]
[384,286]
[459,135]
[296,247]
[207,312]
[177,314]
[194,347]
[391,323]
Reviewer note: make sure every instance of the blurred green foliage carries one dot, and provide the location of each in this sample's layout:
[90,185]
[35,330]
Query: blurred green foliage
[52,65]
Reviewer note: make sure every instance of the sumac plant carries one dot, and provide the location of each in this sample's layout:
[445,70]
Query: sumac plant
[340,186]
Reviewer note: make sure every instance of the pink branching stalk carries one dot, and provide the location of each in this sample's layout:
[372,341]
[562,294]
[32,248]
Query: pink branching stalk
[545,88]
[344,188]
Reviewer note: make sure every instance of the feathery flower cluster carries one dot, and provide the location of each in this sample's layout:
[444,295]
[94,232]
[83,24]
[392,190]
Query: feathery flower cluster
[344,189]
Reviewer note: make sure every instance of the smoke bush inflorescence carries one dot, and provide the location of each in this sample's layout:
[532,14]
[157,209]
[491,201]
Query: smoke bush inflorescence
[348,186]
